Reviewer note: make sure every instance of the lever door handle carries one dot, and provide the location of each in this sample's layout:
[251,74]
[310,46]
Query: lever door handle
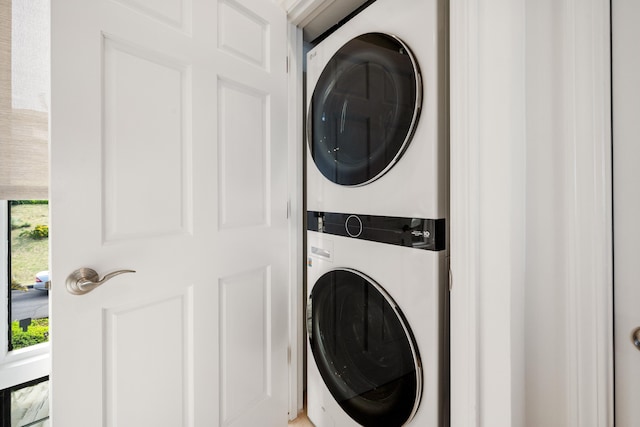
[85,280]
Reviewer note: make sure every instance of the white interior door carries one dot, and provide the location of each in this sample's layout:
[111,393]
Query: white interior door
[626,205]
[168,156]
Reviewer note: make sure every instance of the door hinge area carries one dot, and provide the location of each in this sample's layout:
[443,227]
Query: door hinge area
[287,65]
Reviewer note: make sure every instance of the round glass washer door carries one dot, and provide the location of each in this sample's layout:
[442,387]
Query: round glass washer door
[364,109]
[364,349]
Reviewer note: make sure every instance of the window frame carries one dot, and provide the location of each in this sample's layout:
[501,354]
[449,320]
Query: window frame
[25,364]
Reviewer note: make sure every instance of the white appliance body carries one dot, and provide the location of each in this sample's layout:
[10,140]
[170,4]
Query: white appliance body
[414,281]
[416,184]
[377,218]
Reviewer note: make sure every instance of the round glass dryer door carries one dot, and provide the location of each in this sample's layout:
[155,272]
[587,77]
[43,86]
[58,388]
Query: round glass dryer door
[364,349]
[364,109]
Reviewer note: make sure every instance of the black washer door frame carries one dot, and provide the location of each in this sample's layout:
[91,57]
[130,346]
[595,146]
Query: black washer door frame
[364,349]
[364,109]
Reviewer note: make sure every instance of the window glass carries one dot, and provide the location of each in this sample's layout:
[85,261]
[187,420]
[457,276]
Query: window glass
[28,272]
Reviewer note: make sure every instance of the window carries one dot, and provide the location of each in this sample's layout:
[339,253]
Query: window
[24,111]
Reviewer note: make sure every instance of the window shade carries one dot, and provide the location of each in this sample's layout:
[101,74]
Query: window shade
[24,99]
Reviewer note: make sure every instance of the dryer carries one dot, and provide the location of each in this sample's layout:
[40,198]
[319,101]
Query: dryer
[376,323]
[377,113]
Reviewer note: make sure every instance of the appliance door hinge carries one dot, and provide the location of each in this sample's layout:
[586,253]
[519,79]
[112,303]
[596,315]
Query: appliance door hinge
[287,64]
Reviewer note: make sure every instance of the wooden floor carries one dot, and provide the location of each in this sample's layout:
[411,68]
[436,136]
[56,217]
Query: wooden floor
[301,421]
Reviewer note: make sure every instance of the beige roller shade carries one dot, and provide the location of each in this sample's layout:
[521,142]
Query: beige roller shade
[24,99]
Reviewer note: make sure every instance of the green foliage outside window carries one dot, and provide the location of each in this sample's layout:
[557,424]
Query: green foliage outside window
[37,332]
[38,232]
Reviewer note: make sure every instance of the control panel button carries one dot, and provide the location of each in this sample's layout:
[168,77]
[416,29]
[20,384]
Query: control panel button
[353,225]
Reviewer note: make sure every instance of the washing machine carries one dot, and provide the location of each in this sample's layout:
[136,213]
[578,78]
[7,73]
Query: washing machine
[376,325]
[377,121]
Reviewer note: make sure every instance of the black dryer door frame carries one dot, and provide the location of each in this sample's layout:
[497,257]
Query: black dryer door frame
[364,109]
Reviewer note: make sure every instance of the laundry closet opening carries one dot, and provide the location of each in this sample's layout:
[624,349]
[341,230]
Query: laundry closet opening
[376,215]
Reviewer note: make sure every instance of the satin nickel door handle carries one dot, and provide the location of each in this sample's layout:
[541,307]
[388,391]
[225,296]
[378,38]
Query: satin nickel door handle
[635,337]
[85,280]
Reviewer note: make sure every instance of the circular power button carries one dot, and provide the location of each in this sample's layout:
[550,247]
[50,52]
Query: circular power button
[353,225]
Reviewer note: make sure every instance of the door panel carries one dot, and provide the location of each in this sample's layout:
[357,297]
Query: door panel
[144,100]
[245,206]
[626,198]
[127,362]
[167,153]
[245,346]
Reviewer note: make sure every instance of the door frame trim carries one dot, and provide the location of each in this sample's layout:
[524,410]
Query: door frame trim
[296,213]
[588,174]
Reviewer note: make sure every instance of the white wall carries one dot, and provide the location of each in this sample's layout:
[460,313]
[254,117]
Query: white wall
[568,246]
[546,267]
[531,204]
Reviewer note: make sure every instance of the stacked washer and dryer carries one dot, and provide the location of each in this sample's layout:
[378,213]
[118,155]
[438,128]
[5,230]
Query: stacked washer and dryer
[377,210]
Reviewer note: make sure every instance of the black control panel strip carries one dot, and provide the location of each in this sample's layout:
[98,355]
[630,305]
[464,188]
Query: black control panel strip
[417,233]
